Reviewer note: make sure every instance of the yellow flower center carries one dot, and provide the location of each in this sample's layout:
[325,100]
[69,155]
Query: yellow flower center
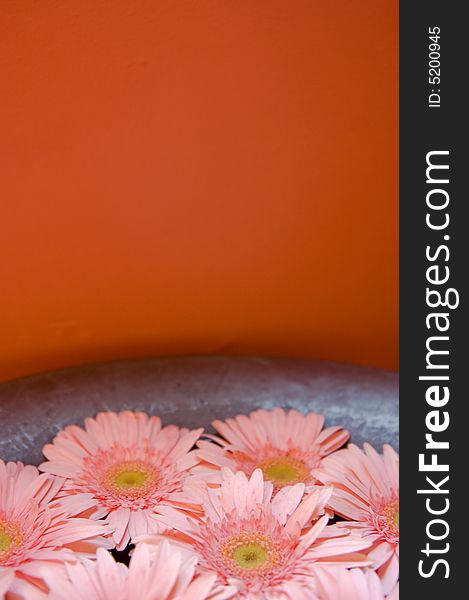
[10,538]
[249,556]
[285,470]
[249,552]
[391,514]
[130,478]
[5,541]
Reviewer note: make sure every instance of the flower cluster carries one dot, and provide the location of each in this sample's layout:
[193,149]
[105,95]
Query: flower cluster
[272,507]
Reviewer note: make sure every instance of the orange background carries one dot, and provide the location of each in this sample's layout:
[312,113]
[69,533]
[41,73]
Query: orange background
[197,177]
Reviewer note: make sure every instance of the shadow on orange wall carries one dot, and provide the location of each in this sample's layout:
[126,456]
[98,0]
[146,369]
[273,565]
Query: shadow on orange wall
[197,177]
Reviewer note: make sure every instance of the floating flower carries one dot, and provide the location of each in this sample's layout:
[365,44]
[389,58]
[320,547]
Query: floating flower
[126,466]
[36,530]
[286,446]
[366,492]
[166,575]
[264,547]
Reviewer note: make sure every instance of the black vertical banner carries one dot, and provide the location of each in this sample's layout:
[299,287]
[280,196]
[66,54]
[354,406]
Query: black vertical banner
[434,257]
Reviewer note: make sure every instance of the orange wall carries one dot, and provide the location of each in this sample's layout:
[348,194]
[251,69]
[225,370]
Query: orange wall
[210,176]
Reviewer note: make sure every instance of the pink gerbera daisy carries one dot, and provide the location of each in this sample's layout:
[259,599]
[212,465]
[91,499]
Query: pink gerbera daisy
[286,446]
[366,493]
[264,547]
[166,575]
[36,530]
[126,466]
